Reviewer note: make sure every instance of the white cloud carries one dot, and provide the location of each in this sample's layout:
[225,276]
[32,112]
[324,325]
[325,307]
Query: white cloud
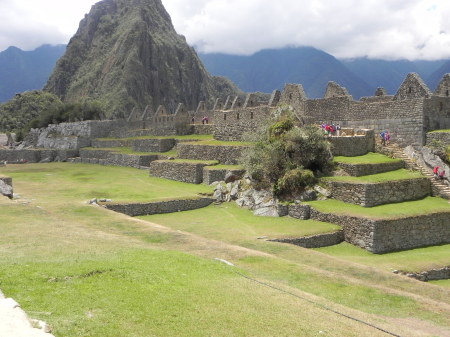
[392,29]
[413,29]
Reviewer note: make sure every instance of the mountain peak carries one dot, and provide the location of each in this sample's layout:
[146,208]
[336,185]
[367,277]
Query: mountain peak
[127,54]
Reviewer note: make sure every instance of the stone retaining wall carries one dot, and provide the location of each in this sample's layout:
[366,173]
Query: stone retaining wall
[203,129]
[369,195]
[357,170]
[106,157]
[430,275]
[441,137]
[153,145]
[188,172]
[299,211]
[383,236]
[103,143]
[227,155]
[160,207]
[351,146]
[210,174]
[36,155]
[315,241]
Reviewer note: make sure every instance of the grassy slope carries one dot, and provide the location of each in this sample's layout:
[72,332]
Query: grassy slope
[400,174]
[91,272]
[409,208]
[370,158]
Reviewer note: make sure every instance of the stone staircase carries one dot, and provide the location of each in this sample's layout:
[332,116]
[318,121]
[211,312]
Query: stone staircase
[439,188]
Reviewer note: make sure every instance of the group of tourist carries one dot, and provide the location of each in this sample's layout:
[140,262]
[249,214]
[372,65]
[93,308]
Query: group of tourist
[385,137]
[331,129]
[438,173]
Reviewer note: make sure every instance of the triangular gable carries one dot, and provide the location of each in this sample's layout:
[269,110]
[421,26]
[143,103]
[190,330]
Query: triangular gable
[293,94]
[134,115]
[275,98]
[161,111]
[412,87]
[147,114]
[228,103]
[335,90]
[443,88]
[237,103]
[251,101]
[218,105]
[181,110]
[201,107]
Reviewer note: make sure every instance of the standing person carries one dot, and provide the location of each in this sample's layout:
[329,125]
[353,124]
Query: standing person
[383,140]
[435,171]
[338,129]
[442,175]
[387,138]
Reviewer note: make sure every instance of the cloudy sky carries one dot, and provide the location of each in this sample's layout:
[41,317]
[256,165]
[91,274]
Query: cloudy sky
[389,29]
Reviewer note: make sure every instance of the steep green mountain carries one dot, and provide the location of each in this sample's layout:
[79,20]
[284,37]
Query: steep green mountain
[26,70]
[22,108]
[391,74]
[273,68]
[127,54]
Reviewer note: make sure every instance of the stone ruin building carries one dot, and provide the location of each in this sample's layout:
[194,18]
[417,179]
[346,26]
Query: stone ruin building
[408,115]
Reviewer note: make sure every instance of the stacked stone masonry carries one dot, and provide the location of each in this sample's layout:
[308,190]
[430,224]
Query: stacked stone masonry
[36,155]
[110,158]
[188,172]
[352,146]
[357,170]
[211,174]
[369,195]
[383,236]
[438,138]
[161,207]
[227,155]
[315,241]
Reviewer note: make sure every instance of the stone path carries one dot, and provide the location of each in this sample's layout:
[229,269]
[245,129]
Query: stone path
[15,323]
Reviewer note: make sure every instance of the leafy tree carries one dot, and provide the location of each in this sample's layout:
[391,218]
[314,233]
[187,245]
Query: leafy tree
[287,158]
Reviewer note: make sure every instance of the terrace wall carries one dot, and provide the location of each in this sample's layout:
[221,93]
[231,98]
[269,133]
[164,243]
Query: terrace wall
[373,194]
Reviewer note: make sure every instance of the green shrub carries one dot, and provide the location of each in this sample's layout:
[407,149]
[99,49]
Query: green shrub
[286,157]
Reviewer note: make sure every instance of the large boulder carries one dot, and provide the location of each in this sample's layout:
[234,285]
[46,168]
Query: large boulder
[6,189]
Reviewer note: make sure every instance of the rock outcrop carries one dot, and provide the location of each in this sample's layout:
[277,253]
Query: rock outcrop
[126,54]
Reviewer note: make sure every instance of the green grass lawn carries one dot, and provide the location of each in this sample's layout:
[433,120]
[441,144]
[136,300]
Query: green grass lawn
[91,272]
[413,260]
[400,174]
[443,130]
[410,208]
[80,182]
[221,143]
[182,138]
[238,225]
[128,150]
[224,167]
[370,158]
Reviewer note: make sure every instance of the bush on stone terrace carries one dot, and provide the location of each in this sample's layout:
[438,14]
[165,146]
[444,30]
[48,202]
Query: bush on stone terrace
[286,158]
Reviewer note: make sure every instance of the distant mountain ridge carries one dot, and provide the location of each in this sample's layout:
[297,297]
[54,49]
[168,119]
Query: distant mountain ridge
[26,70]
[271,69]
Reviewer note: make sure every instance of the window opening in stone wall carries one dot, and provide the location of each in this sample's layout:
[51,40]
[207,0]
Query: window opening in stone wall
[224,117]
[251,114]
[290,96]
[239,104]
[237,116]
[410,90]
[446,93]
[441,106]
